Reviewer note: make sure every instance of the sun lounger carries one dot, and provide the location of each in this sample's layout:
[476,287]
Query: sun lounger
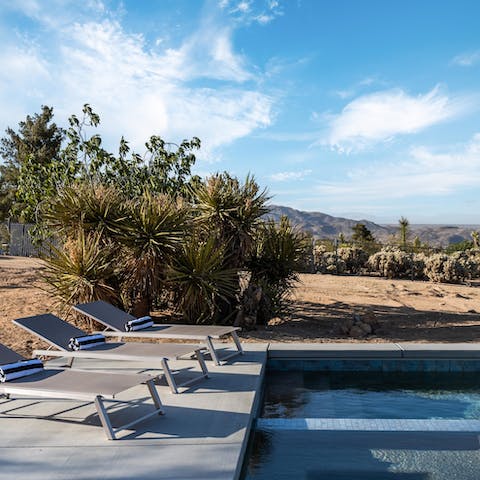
[58,333]
[78,385]
[115,319]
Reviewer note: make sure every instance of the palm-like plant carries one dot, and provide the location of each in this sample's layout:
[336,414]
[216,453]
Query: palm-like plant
[87,206]
[231,210]
[150,233]
[403,225]
[199,279]
[83,270]
[280,252]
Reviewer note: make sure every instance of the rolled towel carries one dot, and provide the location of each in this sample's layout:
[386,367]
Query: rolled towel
[138,324]
[23,368]
[86,341]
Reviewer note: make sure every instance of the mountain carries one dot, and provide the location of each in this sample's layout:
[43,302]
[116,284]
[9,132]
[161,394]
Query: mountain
[324,226]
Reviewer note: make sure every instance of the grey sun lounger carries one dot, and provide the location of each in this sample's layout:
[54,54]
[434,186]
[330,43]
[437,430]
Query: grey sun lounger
[78,385]
[114,319]
[57,333]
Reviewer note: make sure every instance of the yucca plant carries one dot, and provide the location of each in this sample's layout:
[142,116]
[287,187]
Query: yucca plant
[88,206]
[82,270]
[199,280]
[231,211]
[150,234]
[279,253]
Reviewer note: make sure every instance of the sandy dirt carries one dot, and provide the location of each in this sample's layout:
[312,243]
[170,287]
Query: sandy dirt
[405,310]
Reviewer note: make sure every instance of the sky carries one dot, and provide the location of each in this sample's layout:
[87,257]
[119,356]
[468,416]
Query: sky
[365,109]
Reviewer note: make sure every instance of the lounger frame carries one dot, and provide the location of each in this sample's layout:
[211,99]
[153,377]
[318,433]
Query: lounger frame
[31,386]
[58,350]
[9,389]
[203,333]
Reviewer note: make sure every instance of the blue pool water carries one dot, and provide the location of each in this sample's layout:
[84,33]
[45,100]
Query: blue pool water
[339,424]
[415,395]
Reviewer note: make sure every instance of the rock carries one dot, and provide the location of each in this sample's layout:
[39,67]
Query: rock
[359,325]
[365,327]
[356,332]
[346,325]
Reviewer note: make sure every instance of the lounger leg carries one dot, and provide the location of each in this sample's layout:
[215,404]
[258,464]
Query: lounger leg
[168,375]
[201,361]
[102,413]
[70,362]
[237,343]
[212,350]
[155,397]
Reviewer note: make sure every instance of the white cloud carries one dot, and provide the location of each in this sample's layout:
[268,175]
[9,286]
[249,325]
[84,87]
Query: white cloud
[137,91]
[380,116]
[467,59]
[423,173]
[248,11]
[285,176]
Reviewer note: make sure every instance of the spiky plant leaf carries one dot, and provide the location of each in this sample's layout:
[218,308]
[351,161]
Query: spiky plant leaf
[230,210]
[279,253]
[150,234]
[83,270]
[87,206]
[199,279]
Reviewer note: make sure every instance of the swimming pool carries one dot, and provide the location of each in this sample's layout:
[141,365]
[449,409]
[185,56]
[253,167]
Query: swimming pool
[386,420]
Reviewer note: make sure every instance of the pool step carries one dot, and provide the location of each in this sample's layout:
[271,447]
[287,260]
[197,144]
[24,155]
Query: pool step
[374,424]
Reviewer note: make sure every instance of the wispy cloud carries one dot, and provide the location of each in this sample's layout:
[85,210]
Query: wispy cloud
[380,116]
[424,172]
[286,176]
[137,90]
[359,86]
[467,59]
[248,11]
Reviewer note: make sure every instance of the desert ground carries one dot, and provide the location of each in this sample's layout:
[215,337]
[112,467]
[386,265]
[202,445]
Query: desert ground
[404,310]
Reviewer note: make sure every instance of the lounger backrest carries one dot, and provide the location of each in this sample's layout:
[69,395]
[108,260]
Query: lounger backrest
[105,313]
[8,356]
[50,328]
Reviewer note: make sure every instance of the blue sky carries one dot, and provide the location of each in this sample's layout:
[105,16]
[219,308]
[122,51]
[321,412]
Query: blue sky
[366,109]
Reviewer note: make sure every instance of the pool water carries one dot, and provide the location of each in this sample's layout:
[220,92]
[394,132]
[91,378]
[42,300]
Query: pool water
[361,425]
[416,395]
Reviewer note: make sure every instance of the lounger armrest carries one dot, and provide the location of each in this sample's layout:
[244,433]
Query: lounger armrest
[55,353]
[112,333]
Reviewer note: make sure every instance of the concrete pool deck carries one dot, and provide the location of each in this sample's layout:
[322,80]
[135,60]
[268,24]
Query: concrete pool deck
[202,436]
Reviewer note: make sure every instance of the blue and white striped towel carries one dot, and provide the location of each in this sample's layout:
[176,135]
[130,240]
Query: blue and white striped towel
[23,368]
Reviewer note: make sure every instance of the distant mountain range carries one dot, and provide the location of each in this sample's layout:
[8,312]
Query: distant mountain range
[322,225]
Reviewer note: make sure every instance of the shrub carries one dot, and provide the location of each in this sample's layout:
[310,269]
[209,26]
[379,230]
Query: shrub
[455,268]
[329,262]
[355,258]
[82,270]
[199,280]
[392,262]
[279,250]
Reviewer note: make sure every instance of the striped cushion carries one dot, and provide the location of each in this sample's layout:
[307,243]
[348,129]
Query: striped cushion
[23,368]
[138,324]
[86,341]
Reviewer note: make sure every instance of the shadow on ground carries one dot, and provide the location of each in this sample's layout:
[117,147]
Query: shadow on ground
[309,321]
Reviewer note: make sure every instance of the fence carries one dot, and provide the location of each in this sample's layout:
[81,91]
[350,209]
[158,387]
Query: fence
[19,242]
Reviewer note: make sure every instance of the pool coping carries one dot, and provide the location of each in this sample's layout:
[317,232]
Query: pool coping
[402,350]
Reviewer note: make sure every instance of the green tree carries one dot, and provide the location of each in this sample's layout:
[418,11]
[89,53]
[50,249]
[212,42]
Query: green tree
[404,225]
[30,169]
[361,234]
[164,168]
